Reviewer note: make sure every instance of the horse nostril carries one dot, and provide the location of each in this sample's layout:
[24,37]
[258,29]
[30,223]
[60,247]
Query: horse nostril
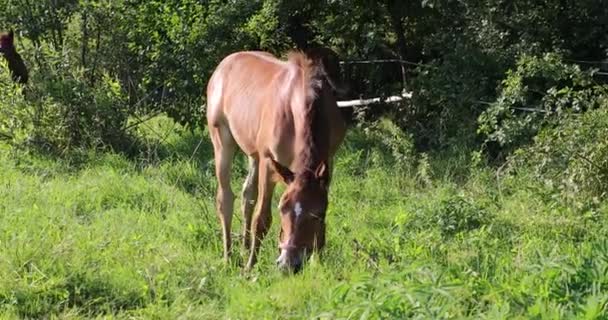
[297,264]
[297,267]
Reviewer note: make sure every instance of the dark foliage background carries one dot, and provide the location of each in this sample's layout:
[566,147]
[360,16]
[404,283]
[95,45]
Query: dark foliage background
[480,70]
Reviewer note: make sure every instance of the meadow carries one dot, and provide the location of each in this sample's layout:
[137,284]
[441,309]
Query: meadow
[485,196]
[422,236]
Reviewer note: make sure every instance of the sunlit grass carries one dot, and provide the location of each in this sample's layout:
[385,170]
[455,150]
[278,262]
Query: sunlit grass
[117,237]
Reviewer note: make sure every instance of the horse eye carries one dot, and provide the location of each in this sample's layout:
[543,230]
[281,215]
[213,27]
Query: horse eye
[282,209]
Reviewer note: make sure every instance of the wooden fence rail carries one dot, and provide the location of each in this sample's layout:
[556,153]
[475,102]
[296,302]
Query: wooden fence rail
[364,102]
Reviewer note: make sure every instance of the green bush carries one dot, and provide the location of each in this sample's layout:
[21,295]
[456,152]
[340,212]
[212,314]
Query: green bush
[447,94]
[384,145]
[394,140]
[539,91]
[62,110]
[15,118]
[88,115]
[571,158]
[457,214]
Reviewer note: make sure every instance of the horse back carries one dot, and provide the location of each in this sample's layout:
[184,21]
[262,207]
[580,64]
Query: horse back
[243,95]
[259,99]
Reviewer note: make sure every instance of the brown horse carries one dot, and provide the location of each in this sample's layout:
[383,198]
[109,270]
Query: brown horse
[283,116]
[15,63]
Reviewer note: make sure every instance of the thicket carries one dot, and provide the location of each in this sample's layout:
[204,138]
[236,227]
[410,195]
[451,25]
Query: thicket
[518,79]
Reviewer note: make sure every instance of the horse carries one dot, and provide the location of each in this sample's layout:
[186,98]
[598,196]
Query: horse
[283,115]
[16,66]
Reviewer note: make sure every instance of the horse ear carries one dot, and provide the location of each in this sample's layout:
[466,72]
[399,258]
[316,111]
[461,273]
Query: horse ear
[322,173]
[283,171]
[11,34]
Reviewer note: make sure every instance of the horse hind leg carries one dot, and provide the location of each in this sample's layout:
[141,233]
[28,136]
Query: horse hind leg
[224,148]
[249,197]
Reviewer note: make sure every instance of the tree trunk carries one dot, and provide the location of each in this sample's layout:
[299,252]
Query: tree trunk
[397,16]
[85,39]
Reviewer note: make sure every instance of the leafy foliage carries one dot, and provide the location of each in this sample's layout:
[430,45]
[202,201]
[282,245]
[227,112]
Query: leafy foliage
[458,214]
[571,158]
[61,110]
[538,91]
[15,120]
[162,52]
[397,144]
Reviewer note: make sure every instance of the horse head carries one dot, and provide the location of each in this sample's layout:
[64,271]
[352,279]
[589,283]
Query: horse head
[6,42]
[16,65]
[302,210]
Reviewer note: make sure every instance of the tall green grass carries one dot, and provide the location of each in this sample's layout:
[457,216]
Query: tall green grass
[409,236]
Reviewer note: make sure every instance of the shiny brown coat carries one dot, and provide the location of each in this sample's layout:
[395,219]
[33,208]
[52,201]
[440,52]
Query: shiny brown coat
[283,116]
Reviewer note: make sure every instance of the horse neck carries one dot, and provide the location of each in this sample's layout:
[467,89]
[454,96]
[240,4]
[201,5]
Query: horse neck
[306,83]
[10,54]
[13,58]
[16,65]
[311,147]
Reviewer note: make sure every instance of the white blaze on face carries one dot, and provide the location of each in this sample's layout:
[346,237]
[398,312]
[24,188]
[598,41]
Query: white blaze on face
[298,209]
[284,257]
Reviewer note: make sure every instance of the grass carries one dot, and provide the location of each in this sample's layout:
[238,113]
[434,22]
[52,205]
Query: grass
[409,236]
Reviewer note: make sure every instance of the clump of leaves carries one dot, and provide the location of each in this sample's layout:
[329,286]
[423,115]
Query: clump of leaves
[571,158]
[398,144]
[447,90]
[538,91]
[60,110]
[457,214]
[15,120]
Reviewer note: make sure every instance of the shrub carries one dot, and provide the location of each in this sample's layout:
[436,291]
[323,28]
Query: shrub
[15,120]
[381,144]
[571,157]
[83,114]
[395,140]
[62,109]
[539,91]
[457,214]
[447,93]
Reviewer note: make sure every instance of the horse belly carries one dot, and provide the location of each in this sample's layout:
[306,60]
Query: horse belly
[244,122]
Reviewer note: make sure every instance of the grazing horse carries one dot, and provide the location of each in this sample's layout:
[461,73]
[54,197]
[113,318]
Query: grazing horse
[15,63]
[283,116]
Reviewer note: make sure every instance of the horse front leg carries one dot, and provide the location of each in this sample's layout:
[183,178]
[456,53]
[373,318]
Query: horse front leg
[250,195]
[262,218]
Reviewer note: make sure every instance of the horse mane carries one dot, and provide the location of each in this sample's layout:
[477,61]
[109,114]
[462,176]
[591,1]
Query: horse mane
[312,73]
[313,134]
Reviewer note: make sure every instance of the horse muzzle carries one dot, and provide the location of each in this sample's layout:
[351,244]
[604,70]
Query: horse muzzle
[291,261]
